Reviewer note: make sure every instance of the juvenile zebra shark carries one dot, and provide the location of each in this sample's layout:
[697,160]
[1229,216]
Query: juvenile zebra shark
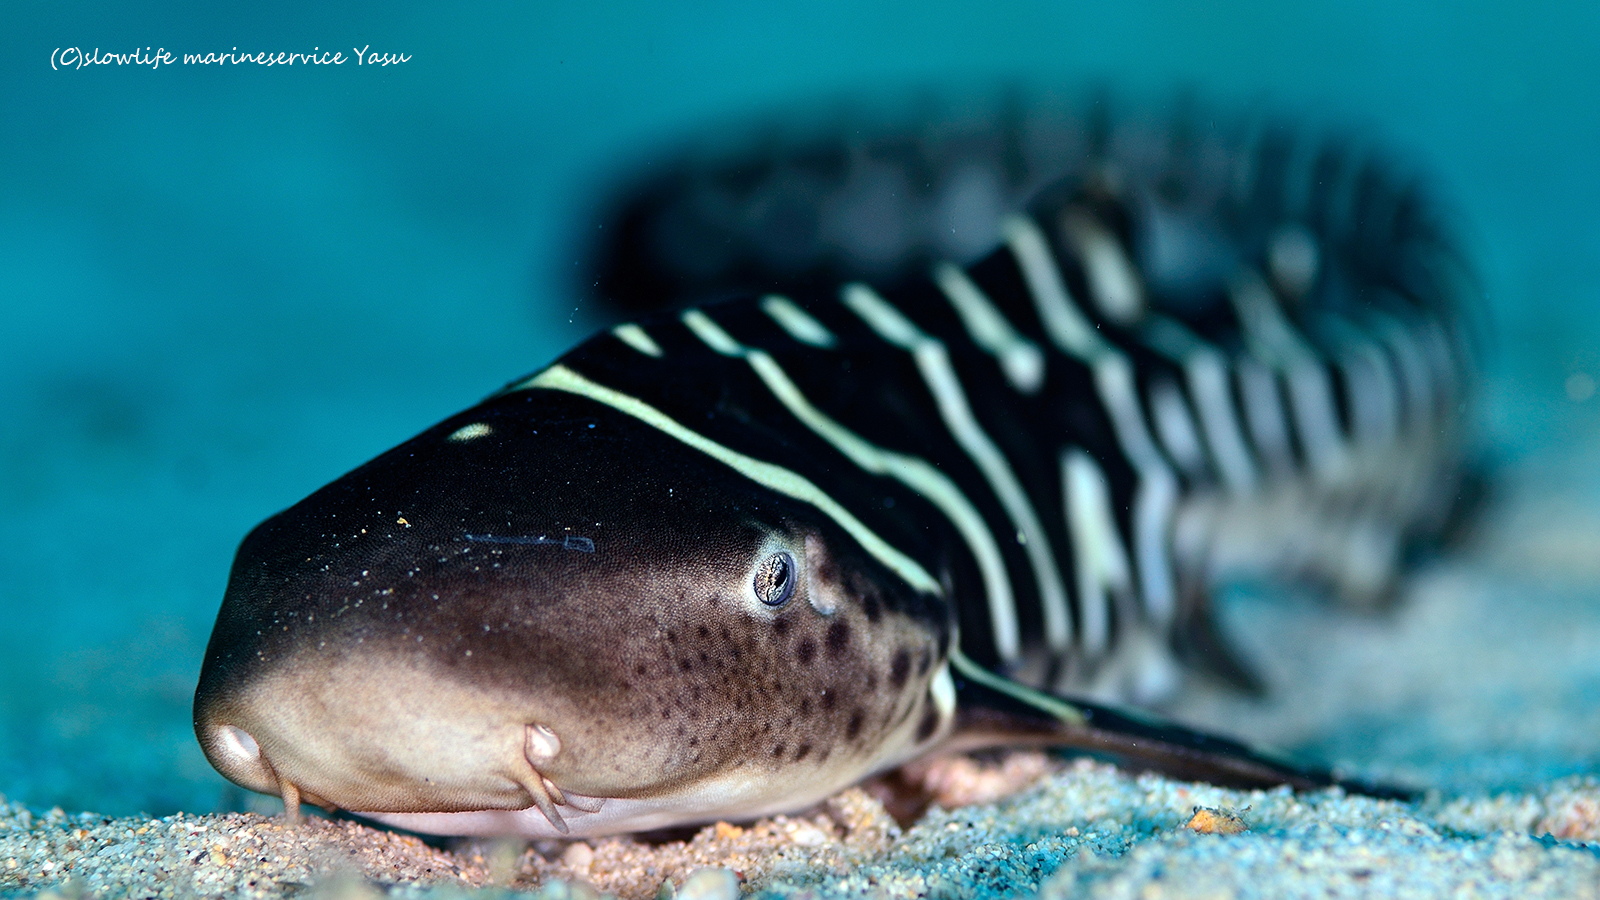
[722,561]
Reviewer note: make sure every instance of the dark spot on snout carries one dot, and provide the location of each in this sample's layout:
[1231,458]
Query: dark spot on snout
[806,651]
[838,638]
[899,668]
[930,721]
[802,752]
[853,729]
[873,610]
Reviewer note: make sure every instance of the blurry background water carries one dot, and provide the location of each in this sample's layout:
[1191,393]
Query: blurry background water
[220,287]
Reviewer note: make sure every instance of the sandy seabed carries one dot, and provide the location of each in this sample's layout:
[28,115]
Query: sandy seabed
[1084,830]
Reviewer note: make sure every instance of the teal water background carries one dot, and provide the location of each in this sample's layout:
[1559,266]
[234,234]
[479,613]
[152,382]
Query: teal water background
[220,287]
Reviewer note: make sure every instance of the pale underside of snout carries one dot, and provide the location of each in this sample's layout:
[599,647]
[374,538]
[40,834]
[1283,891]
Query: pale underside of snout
[378,732]
[749,793]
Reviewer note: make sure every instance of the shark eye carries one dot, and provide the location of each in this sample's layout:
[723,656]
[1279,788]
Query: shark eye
[775,579]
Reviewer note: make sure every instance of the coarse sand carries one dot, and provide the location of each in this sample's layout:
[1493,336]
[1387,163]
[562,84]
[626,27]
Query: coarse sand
[1085,829]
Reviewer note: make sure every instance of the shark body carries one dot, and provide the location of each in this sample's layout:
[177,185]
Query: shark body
[723,561]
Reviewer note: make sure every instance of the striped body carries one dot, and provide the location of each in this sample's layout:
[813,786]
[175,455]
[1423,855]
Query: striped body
[1189,359]
[720,562]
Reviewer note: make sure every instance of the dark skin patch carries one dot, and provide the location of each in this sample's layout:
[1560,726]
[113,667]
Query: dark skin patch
[853,729]
[929,724]
[872,608]
[779,750]
[838,638]
[806,651]
[802,752]
[899,669]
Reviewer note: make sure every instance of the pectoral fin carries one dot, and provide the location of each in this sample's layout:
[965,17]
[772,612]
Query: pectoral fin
[993,711]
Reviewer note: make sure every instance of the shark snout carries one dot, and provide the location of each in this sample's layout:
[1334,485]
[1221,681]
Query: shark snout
[382,739]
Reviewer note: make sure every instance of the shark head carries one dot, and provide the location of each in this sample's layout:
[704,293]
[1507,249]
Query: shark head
[547,616]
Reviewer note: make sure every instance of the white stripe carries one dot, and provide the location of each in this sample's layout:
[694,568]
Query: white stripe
[942,690]
[711,333]
[933,362]
[1157,494]
[1263,413]
[1315,417]
[797,322]
[1415,379]
[1293,259]
[1113,283]
[1050,703]
[1063,322]
[774,477]
[1273,340]
[1369,396]
[1102,564]
[1267,330]
[1020,359]
[1208,380]
[1176,428]
[637,338]
[1207,371]
[1072,334]
[1372,393]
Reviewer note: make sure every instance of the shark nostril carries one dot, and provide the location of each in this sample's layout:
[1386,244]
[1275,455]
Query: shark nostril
[540,744]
